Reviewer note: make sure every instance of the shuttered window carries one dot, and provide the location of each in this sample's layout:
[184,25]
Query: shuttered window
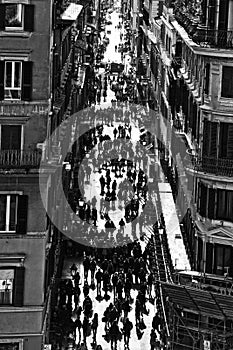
[17,17]
[27,81]
[210,139]
[225,205]
[207,78]
[227,82]
[211,12]
[226,141]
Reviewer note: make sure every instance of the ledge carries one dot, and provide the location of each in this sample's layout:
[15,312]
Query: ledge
[18,34]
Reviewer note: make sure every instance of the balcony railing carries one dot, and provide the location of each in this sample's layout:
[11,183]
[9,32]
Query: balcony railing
[205,37]
[222,39]
[19,159]
[212,165]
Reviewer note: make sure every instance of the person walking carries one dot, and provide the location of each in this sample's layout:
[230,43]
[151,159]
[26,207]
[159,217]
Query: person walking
[86,265]
[98,277]
[85,328]
[94,326]
[114,334]
[128,326]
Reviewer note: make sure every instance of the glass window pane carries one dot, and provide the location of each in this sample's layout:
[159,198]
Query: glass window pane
[14,15]
[2,212]
[17,78]
[9,346]
[12,223]
[8,74]
[6,286]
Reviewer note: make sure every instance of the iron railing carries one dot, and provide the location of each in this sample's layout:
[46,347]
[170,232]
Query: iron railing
[214,38]
[19,159]
[212,165]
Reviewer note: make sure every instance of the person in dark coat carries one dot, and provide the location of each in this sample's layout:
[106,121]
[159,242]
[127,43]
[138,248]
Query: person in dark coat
[128,326]
[86,265]
[114,283]
[99,277]
[85,328]
[114,334]
[94,326]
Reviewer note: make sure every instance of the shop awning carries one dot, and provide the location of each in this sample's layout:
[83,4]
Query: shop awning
[152,37]
[72,12]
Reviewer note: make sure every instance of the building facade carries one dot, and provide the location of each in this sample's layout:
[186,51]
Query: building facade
[43,51]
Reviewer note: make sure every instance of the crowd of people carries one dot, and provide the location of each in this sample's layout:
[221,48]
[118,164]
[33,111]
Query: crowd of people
[123,276]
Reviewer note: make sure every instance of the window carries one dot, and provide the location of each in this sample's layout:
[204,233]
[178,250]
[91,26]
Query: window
[6,286]
[227,82]
[13,213]
[11,137]
[8,210]
[13,74]
[15,80]
[225,205]
[16,17]
[223,260]
[10,346]
[11,286]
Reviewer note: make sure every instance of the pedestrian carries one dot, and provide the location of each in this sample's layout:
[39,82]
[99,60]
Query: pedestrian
[92,268]
[98,277]
[128,326]
[86,265]
[94,326]
[153,339]
[114,334]
[85,328]
[78,325]
[114,283]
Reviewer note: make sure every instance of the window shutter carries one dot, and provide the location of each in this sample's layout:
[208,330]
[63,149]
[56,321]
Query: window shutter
[213,140]
[203,200]
[230,142]
[209,257]
[211,206]
[21,227]
[227,85]
[206,137]
[2,16]
[19,286]
[29,18]
[2,70]
[27,81]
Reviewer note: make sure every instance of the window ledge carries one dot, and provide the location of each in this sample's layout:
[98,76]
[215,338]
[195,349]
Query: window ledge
[15,34]
[11,308]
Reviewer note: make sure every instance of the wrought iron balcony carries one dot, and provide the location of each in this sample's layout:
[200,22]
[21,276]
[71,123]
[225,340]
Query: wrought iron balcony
[222,39]
[212,165]
[11,159]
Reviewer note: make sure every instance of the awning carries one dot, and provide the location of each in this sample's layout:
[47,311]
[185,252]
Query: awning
[152,37]
[72,12]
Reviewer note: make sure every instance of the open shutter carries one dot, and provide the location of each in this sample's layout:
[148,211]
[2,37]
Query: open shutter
[206,137]
[230,142]
[29,18]
[213,140]
[211,206]
[19,286]
[209,257]
[2,16]
[203,200]
[21,227]
[27,81]
[2,70]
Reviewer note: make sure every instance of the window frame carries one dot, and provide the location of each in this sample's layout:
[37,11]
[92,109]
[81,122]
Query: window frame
[13,285]
[221,82]
[8,203]
[13,340]
[12,79]
[19,28]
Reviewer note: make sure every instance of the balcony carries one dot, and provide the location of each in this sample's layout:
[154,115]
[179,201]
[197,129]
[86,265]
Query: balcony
[212,165]
[11,159]
[222,39]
